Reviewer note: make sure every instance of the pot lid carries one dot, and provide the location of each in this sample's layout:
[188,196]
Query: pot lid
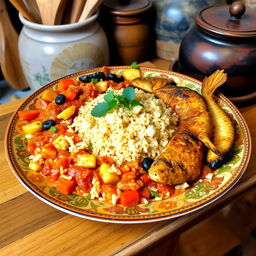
[234,20]
[126,7]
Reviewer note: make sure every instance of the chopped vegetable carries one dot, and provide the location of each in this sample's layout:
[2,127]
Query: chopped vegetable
[53,129]
[61,143]
[134,65]
[64,84]
[49,95]
[67,113]
[86,160]
[102,86]
[28,114]
[71,93]
[48,151]
[32,128]
[65,186]
[131,74]
[130,197]
[107,176]
[34,166]
[153,194]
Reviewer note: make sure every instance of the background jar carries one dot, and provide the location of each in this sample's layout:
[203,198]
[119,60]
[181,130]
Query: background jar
[50,52]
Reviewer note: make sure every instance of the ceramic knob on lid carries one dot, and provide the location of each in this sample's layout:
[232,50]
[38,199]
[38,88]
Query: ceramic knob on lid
[224,37]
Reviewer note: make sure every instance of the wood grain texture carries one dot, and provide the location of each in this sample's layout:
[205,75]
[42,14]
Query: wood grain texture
[30,227]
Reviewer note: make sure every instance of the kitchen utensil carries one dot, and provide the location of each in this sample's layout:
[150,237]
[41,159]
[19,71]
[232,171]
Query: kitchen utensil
[76,10]
[224,37]
[51,11]
[9,56]
[90,8]
[33,8]
[22,8]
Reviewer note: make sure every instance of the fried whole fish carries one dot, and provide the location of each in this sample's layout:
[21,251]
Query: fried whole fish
[182,159]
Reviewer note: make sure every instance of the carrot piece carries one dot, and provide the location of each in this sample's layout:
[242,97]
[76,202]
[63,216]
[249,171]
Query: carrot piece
[28,114]
[65,186]
[129,197]
[64,84]
[71,94]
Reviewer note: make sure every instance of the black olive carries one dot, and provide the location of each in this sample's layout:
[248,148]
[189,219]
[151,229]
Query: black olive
[115,78]
[146,163]
[60,99]
[86,78]
[99,75]
[48,124]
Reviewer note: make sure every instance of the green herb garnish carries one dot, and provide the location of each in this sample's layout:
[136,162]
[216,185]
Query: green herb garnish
[90,145]
[53,129]
[111,100]
[94,80]
[153,194]
[134,65]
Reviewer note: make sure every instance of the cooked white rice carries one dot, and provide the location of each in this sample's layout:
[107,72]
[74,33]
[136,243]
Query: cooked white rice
[127,135]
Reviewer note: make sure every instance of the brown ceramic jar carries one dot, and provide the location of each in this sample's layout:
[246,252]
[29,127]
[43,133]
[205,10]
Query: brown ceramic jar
[224,37]
[127,30]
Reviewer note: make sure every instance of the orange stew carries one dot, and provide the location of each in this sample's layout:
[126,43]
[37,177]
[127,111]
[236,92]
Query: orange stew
[81,173]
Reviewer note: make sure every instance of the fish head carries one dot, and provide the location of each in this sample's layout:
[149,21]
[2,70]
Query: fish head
[160,171]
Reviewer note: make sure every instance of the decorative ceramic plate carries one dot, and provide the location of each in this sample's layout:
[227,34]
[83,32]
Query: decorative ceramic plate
[183,201]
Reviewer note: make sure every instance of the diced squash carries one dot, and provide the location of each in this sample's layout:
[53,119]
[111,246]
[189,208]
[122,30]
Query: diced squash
[34,166]
[49,95]
[67,113]
[131,74]
[61,143]
[102,86]
[107,176]
[86,160]
[32,128]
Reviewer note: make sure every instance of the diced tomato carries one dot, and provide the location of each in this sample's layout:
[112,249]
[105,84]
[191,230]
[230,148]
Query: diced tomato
[108,191]
[165,189]
[50,113]
[145,179]
[48,151]
[65,186]
[28,114]
[61,129]
[130,197]
[90,91]
[63,162]
[145,193]
[83,177]
[41,104]
[54,176]
[47,168]
[64,84]
[128,176]
[71,93]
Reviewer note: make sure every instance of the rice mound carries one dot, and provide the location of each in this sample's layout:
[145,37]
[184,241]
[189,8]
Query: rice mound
[127,135]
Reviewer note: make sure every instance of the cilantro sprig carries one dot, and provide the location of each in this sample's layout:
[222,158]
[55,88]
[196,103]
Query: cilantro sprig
[112,100]
[135,65]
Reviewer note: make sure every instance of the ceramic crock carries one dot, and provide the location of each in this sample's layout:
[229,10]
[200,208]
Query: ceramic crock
[127,30]
[50,52]
[224,37]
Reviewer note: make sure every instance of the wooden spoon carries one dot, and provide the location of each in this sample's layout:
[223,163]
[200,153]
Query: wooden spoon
[9,56]
[33,8]
[51,11]
[22,8]
[76,10]
[89,9]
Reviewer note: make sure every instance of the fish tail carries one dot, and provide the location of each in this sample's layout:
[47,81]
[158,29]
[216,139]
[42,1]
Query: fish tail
[211,83]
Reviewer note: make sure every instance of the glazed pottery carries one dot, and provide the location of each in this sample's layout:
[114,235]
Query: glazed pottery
[49,52]
[224,37]
[184,200]
[127,30]
[173,19]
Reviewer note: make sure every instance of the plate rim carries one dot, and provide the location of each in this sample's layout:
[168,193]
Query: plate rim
[112,219]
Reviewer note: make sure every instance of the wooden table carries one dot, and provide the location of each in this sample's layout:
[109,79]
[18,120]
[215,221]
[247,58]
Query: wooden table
[30,227]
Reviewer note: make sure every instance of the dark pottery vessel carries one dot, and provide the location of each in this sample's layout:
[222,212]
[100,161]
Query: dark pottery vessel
[224,37]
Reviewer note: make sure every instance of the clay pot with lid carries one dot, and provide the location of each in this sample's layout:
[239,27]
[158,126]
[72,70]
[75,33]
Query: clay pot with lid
[224,37]
[127,29]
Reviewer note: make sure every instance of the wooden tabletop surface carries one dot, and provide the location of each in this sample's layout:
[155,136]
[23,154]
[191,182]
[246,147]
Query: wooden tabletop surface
[30,227]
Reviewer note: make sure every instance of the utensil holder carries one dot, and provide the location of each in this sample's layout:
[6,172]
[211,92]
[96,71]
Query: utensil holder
[50,52]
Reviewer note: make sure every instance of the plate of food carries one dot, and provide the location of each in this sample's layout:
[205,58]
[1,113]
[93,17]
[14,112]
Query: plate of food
[128,144]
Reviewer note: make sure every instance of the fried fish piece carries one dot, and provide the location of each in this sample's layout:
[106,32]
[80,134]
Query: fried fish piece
[182,159]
